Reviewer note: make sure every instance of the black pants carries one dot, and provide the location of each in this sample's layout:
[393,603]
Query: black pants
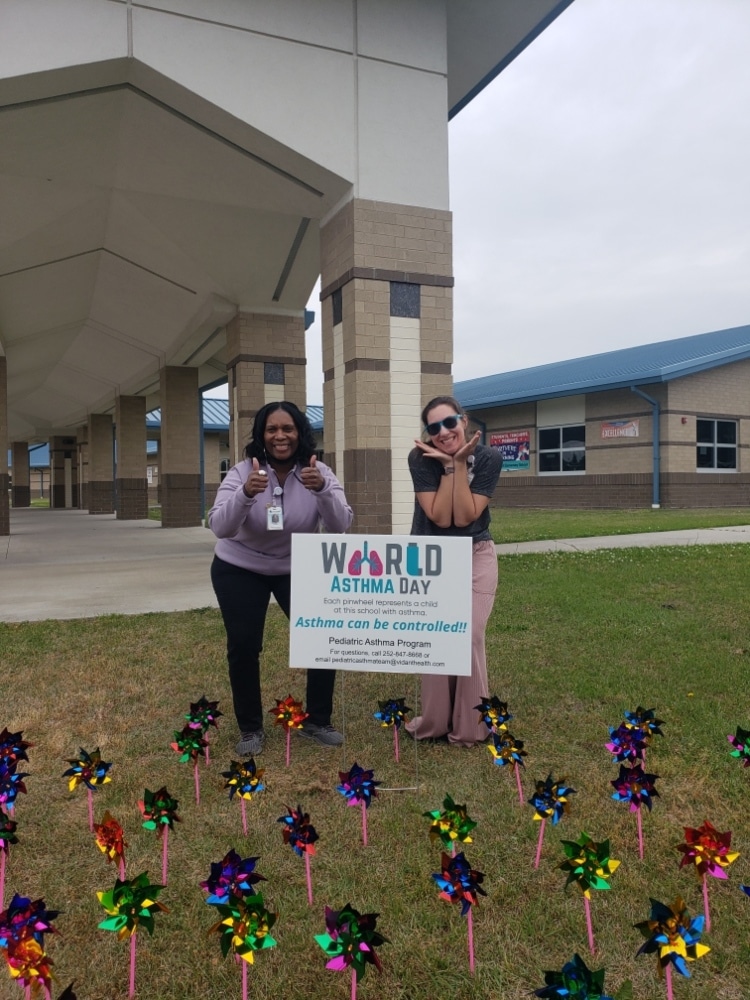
[243,598]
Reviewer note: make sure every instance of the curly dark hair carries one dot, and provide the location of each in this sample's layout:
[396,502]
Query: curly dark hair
[306,448]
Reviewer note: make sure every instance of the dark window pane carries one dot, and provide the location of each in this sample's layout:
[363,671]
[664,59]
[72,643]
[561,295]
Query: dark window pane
[726,458]
[726,432]
[573,437]
[704,431]
[704,457]
[273,373]
[405,299]
[549,461]
[338,307]
[549,438]
[574,461]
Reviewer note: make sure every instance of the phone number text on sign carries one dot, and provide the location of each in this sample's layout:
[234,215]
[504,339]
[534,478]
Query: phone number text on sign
[392,603]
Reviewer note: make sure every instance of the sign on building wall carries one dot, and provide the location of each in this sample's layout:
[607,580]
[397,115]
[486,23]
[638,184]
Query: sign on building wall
[514,446]
[620,428]
[387,603]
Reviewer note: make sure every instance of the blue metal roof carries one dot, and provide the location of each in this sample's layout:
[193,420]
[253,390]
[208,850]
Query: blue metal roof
[216,416]
[631,366]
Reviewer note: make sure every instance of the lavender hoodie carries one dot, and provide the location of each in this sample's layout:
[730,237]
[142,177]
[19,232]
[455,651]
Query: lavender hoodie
[240,522]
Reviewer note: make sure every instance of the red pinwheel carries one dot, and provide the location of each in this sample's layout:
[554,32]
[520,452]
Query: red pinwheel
[290,714]
[111,842]
[460,883]
[710,852]
[301,835]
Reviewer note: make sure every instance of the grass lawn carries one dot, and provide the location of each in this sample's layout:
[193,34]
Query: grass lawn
[574,640]
[514,524]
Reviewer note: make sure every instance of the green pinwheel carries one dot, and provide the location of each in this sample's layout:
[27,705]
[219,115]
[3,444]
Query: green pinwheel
[244,927]
[130,905]
[588,864]
[450,824]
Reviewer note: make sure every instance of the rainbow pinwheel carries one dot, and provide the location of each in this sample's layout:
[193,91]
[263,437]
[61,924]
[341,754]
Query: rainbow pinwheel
[392,712]
[626,744]
[244,927]
[645,720]
[89,770]
[494,713]
[24,919]
[506,749]
[243,779]
[159,811]
[28,963]
[551,800]
[130,905]
[708,850]
[635,787]
[203,713]
[13,747]
[298,831]
[350,941]
[288,713]
[232,876]
[111,841]
[588,864]
[190,744]
[576,981]
[450,824]
[741,745]
[11,783]
[358,786]
[674,938]
[459,882]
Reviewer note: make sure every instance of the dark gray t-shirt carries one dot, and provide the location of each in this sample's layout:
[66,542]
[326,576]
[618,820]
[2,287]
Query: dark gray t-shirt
[483,475]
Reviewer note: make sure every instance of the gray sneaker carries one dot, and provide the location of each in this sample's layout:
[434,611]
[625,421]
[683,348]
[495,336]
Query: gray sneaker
[250,743]
[327,736]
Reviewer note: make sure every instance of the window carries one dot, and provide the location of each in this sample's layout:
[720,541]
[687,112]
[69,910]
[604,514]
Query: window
[562,449]
[716,445]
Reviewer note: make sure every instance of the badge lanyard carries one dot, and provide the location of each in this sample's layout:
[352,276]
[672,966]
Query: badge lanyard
[275,511]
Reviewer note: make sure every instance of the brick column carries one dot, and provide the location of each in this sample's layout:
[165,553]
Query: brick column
[387,313]
[101,485]
[63,462]
[131,485]
[82,443]
[21,490]
[266,363]
[4,477]
[179,467]
[211,467]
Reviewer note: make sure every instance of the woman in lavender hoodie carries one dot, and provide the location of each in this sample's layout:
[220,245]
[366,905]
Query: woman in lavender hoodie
[280,488]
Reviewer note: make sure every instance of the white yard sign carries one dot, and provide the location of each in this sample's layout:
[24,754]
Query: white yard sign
[389,603]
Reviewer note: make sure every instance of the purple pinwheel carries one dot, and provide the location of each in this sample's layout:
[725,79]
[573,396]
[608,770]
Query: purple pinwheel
[11,783]
[25,919]
[298,831]
[460,883]
[358,788]
[626,744]
[634,786]
[232,876]
[13,747]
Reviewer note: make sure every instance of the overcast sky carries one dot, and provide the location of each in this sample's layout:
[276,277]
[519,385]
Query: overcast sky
[600,188]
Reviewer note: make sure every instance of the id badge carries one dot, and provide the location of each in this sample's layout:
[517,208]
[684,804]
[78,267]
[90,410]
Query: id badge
[274,518]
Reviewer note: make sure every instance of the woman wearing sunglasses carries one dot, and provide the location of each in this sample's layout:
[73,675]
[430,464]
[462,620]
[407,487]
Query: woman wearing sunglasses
[454,479]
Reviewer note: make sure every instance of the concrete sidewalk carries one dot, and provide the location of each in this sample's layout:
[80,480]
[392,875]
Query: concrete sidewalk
[71,564]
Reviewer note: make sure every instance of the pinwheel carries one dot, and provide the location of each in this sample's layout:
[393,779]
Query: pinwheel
[25,919]
[450,824]
[191,745]
[392,712]
[290,714]
[111,842]
[550,801]
[741,745]
[634,786]
[460,883]
[590,866]
[244,929]
[7,837]
[29,964]
[11,783]
[203,714]
[710,852]
[301,835]
[576,982]
[358,788]
[674,937]
[645,720]
[494,713]
[159,811]
[626,744]
[350,942]
[505,749]
[13,747]
[130,905]
[232,876]
[244,781]
[91,771]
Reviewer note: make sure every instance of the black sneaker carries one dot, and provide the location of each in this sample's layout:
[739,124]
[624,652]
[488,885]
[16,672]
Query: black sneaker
[327,736]
[250,743]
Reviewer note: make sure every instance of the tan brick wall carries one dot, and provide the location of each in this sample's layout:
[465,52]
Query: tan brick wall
[437,325]
[100,447]
[130,430]
[180,422]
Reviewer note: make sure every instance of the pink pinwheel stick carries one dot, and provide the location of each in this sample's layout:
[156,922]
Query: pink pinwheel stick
[640,833]
[364,822]
[518,782]
[354,984]
[670,994]
[470,928]
[197,783]
[164,855]
[395,742]
[288,745]
[243,810]
[122,868]
[208,754]
[539,844]
[705,903]
[90,796]
[2,880]
[309,879]
[589,928]
[244,981]
[131,992]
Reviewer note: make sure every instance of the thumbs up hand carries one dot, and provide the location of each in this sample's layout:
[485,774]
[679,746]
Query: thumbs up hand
[257,481]
[312,478]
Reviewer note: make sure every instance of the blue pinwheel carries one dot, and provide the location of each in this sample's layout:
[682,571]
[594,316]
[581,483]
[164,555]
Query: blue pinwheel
[232,876]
